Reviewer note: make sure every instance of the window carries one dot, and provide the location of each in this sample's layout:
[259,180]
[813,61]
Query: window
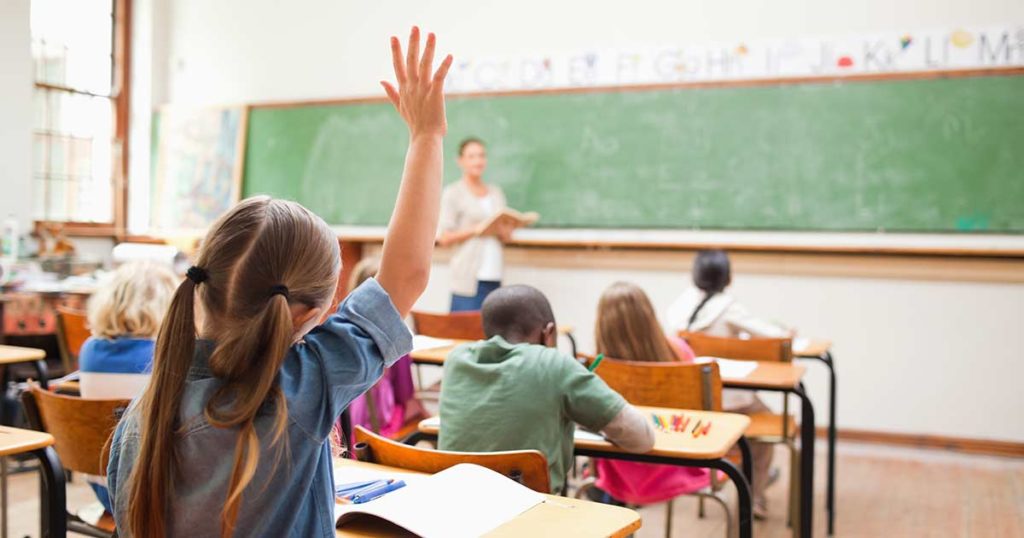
[79,49]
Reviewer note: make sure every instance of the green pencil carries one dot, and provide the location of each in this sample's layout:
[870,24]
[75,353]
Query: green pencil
[597,361]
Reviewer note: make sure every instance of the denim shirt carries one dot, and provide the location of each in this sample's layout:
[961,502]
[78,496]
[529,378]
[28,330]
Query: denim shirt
[293,495]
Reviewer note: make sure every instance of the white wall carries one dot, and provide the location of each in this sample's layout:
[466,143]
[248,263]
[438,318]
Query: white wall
[256,50]
[15,112]
[912,356]
[924,357]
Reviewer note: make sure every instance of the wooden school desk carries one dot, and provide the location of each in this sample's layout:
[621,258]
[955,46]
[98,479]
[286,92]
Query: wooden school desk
[785,377]
[435,356]
[15,354]
[672,448]
[821,350]
[558,516]
[52,495]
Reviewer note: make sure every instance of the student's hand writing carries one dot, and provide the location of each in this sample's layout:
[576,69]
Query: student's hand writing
[419,97]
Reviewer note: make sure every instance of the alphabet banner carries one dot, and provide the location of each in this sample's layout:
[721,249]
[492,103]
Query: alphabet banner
[985,48]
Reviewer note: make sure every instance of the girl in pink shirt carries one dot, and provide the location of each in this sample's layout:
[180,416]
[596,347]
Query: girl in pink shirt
[627,329]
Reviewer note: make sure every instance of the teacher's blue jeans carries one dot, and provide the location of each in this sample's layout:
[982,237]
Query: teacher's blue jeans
[463,303]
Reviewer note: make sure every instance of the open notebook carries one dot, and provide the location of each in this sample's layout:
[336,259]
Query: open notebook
[461,501]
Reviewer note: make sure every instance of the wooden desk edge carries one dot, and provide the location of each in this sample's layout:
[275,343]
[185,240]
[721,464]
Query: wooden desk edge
[21,441]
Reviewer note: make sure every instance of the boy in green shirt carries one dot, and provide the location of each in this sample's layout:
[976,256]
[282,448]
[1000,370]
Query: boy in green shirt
[515,391]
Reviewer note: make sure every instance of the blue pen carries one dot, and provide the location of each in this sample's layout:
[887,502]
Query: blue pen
[371,494]
[352,487]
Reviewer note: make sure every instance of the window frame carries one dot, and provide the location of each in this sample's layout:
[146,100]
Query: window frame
[120,97]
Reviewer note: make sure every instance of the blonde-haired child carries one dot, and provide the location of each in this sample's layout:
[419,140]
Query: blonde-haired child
[124,317]
[231,436]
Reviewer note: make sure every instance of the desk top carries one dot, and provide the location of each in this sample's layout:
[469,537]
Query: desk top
[435,355]
[13,354]
[17,441]
[726,429]
[769,375]
[813,348]
[557,516]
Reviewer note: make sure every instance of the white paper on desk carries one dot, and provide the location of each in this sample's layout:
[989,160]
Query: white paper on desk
[800,344]
[730,369]
[420,342]
[584,435]
[461,501]
[432,422]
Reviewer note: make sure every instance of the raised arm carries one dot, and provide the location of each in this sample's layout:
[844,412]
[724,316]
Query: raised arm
[419,99]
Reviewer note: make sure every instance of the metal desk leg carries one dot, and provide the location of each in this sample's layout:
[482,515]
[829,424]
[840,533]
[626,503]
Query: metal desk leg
[830,492]
[748,461]
[743,491]
[52,493]
[43,373]
[806,462]
[346,431]
[3,494]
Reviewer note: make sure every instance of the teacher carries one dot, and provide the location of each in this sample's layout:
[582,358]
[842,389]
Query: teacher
[478,262]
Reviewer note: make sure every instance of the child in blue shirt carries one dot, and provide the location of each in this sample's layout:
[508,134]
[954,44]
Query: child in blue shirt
[231,436]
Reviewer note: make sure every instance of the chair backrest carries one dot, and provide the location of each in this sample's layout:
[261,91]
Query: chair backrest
[80,427]
[753,349]
[529,467]
[664,384]
[72,332]
[458,325]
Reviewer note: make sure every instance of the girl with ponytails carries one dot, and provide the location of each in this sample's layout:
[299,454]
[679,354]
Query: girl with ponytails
[231,436]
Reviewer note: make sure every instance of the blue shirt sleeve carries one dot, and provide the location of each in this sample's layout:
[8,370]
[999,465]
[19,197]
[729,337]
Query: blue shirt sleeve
[343,357]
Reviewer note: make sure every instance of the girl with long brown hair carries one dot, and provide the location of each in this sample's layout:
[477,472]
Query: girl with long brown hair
[628,329]
[230,437]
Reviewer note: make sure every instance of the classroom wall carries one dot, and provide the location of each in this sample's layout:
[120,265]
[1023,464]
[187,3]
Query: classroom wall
[15,112]
[914,356]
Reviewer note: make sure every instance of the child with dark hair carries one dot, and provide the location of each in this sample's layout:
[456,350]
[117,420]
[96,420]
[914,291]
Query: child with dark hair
[707,308]
[515,391]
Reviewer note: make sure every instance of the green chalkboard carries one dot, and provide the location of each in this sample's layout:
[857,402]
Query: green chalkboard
[910,155]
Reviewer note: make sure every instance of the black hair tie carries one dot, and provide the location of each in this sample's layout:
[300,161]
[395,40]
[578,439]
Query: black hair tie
[197,274]
[279,290]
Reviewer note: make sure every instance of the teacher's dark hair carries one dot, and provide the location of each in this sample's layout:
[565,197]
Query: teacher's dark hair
[711,274]
[467,141]
[516,313]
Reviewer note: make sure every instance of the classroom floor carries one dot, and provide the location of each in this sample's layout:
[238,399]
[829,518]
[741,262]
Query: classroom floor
[882,491]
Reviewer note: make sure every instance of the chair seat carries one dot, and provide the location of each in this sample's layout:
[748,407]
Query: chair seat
[768,426]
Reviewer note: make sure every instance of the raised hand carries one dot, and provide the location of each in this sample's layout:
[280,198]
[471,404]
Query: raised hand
[419,97]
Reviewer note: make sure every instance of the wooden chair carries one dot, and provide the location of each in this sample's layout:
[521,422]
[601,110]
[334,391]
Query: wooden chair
[457,326]
[81,429]
[751,349]
[72,332]
[529,467]
[674,385]
[766,427]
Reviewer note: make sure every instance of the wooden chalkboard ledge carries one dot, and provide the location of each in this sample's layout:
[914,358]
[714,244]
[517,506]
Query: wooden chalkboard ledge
[970,245]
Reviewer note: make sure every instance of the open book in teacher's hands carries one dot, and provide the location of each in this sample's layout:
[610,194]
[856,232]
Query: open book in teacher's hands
[506,218]
[461,501]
